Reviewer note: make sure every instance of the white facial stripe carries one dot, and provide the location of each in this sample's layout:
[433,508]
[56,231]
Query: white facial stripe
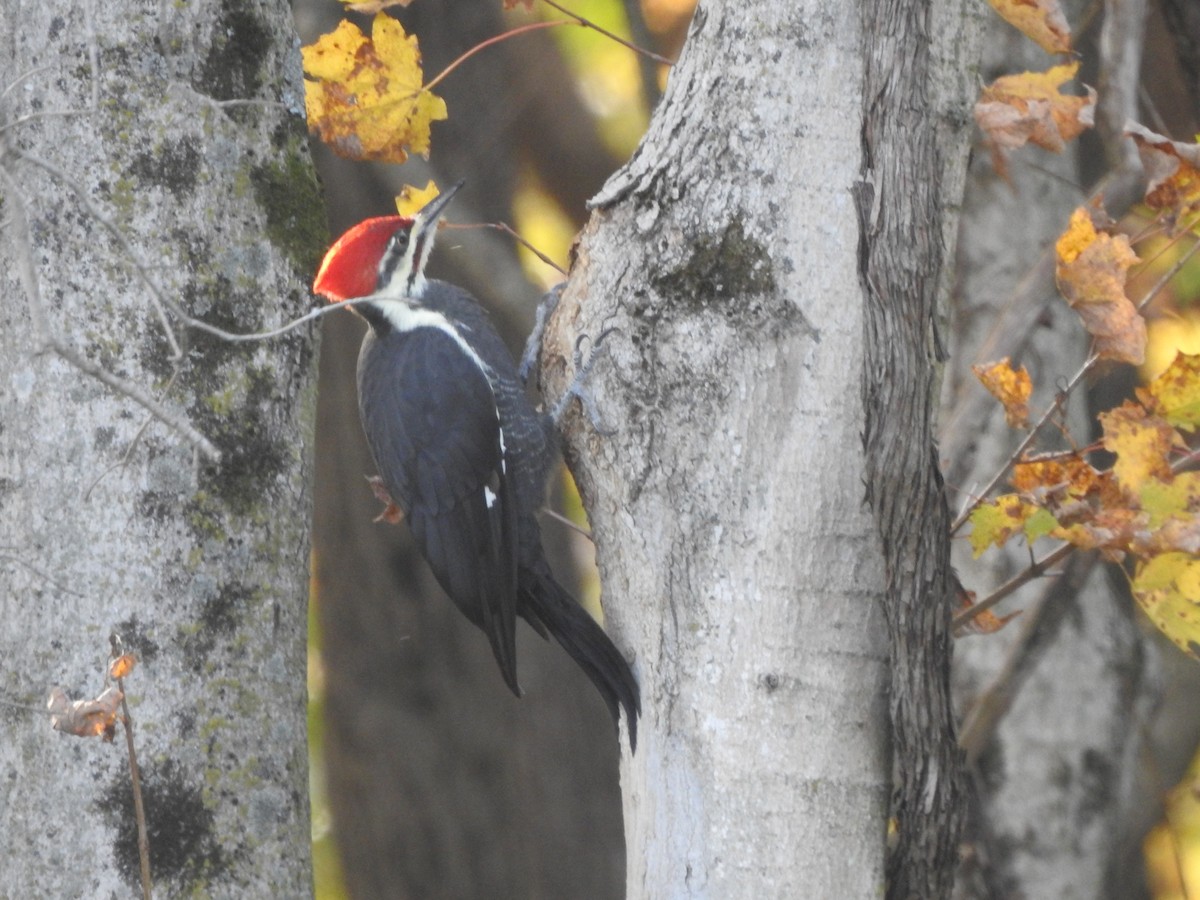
[488,497]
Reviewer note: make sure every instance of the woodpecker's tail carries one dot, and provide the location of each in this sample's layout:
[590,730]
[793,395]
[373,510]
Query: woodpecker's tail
[583,638]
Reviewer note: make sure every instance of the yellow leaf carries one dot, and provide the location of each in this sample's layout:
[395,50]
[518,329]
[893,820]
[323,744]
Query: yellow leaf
[364,96]
[1011,387]
[411,200]
[1163,500]
[1029,108]
[1175,394]
[1167,587]
[1091,272]
[995,523]
[1042,21]
[1141,443]
[1109,530]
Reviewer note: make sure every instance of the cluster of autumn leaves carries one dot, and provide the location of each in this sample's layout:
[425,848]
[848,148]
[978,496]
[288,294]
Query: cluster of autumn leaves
[1145,507]
[367,99]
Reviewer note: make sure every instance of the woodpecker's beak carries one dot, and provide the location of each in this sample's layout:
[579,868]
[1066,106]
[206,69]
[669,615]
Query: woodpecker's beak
[428,217]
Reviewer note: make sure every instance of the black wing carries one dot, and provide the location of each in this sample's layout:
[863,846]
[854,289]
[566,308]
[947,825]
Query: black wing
[430,417]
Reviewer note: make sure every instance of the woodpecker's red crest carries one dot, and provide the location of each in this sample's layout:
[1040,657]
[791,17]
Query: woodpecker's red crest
[384,255]
[351,266]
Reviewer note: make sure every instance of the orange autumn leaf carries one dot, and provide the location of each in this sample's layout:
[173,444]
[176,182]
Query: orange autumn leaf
[1042,21]
[122,666]
[1091,271]
[1011,387]
[1175,394]
[985,622]
[364,96]
[1029,108]
[1172,174]
[411,199]
[1141,443]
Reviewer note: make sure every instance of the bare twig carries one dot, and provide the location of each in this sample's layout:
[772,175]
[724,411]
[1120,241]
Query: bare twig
[649,54]
[483,45]
[139,810]
[12,557]
[993,704]
[28,73]
[226,104]
[1035,570]
[18,230]
[504,227]
[554,514]
[157,297]
[1059,399]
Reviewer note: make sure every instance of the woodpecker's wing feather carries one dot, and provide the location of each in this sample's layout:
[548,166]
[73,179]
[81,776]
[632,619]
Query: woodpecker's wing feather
[430,418]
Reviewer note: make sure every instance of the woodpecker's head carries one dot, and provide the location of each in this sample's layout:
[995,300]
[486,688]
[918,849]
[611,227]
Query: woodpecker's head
[384,256]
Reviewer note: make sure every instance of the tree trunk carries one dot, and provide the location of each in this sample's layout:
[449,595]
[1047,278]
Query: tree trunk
[742,572]
[155,153]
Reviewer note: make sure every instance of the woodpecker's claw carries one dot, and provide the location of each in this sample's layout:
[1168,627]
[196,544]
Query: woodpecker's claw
[583,368]
[533,344]
[392,514]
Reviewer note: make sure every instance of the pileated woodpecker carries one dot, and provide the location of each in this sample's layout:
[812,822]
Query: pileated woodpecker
[460,448]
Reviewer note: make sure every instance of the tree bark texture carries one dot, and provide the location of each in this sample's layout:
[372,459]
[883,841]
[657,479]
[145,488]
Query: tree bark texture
[155,145]
[912,177]
[740,567]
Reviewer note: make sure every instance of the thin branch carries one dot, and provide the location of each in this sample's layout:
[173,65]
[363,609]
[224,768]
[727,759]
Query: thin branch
[515,32]
[226,104]
[46,114]
[1162,283]
[28,73]
[993,704]
[1036,569]
[1059,399]
[18,230]
[554,514]
[40,710]
[135,777]
[504,227]
[649,54]
[160,301]
[13,558]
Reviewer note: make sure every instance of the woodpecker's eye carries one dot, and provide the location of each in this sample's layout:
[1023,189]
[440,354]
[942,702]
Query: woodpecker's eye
[399,240]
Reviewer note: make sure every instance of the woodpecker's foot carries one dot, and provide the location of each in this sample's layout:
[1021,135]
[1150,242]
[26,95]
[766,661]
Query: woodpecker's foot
[533,344]
[392,514]
[577,389]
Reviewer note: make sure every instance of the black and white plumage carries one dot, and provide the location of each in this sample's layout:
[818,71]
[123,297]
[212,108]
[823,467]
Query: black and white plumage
[460,448]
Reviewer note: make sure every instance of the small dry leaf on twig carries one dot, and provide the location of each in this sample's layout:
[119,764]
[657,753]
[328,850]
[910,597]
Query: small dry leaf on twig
[85,718]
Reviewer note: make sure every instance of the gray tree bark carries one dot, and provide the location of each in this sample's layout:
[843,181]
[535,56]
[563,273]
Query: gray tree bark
[155,153]
[740,567]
